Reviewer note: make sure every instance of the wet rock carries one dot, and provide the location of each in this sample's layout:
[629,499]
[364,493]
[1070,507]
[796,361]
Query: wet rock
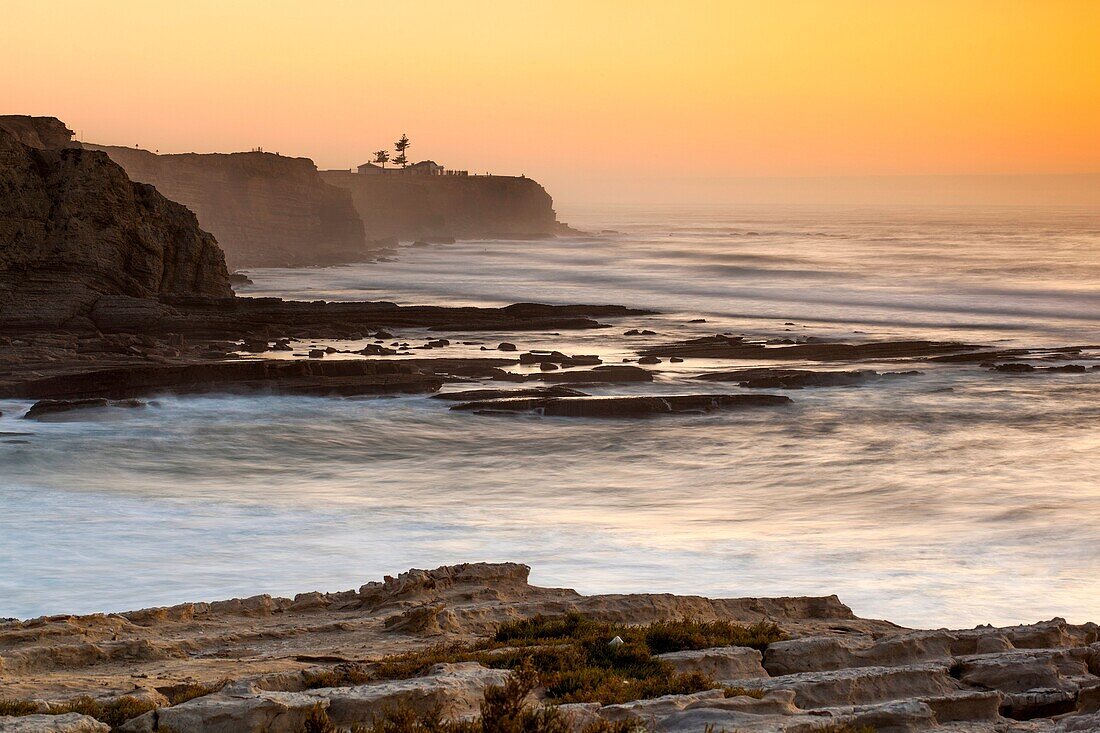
[649,360]
[477,395]
[376,350]
[1022,368]
[281,376]
[722,346]
[765,378]
[548,366]
[601,374]
[47,409]
[506,346]
[316,353]
[559,359]
[622,406]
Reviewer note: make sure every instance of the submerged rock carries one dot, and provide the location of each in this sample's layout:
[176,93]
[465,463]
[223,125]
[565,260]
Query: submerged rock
[46,409]
[721,346]
[472,395]
[765,378]
[622,406]
[610,374]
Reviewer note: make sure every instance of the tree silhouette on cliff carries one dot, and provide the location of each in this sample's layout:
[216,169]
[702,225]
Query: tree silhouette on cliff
[381,156]
[401,146]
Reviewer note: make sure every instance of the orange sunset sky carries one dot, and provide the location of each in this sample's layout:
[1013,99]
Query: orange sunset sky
[578,94]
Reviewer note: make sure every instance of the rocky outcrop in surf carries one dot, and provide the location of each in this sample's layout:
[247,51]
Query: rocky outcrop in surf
[74,229]
[425,207]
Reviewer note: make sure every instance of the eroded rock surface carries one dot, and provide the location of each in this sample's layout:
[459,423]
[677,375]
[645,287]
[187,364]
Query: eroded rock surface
[833,669]
[67,723]
[74,228]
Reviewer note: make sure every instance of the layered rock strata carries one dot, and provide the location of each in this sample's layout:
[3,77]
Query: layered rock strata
[833,669]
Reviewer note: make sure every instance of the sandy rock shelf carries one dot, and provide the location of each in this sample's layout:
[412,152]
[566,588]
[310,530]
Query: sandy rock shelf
[832,667]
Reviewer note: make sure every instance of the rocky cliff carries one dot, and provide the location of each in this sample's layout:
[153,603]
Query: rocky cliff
[266,210]
[415,207]
[75,228]
[38,132]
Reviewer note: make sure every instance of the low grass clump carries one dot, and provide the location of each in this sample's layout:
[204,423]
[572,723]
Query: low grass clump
[660,637]
[575,661]
[505,709]
[191,690]
[113,712]
[18,707]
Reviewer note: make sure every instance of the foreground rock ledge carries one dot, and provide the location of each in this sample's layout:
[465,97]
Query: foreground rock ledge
[833,668]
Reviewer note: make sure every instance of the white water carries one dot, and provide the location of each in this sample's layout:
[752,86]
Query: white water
[953,498]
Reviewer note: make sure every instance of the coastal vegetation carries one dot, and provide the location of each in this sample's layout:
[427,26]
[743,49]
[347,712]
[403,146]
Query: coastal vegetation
[579,659]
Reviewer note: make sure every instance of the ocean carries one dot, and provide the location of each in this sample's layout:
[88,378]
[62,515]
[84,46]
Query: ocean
[954,497]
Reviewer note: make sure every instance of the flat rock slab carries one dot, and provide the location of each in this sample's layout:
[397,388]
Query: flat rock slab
[736,347]
[455,690]
[343,377]
[722,663]
[67,723]
[860,686]
[611,374]
[622,406]
[765,378]
[65,409]
[475,395]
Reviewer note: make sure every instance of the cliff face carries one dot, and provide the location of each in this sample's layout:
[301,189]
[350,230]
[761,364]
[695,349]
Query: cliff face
[412,206]
[74,228]
[265,210]
[38,132]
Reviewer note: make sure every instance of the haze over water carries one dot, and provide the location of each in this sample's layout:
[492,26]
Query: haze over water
[955,497]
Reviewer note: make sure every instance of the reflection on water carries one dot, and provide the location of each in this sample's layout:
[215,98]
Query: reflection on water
[953,497]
